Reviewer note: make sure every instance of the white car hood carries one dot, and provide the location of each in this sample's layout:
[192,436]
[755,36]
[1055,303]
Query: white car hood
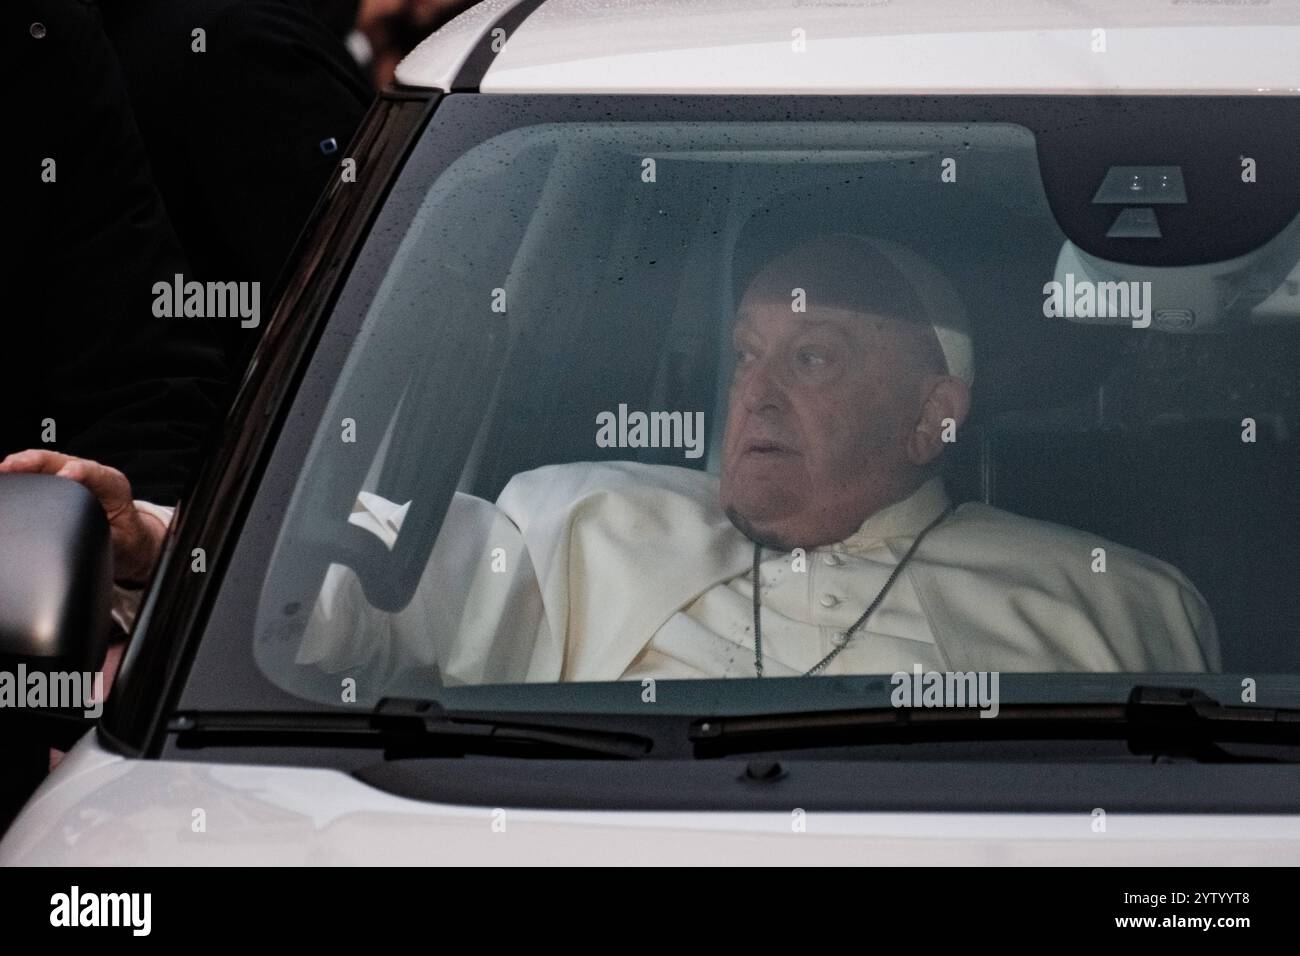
[101,809]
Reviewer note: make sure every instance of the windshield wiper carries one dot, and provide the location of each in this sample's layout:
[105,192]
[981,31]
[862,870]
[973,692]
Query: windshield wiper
[1156,721]
[404,728]
[1187,721]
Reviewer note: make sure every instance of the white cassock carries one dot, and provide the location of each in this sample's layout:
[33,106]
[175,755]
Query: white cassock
[619,570]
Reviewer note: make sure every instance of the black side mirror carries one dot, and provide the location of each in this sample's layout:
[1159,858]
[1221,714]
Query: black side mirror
[56,577]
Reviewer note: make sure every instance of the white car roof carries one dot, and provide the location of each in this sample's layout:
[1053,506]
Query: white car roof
[863,46]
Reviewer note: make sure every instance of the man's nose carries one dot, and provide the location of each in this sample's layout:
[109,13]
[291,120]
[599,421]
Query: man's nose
[761,387]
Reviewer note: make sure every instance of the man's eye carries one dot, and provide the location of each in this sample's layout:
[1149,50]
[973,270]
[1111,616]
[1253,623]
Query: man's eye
[811,358]
[742,355]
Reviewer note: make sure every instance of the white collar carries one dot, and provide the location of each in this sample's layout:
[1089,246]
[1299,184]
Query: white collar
[904,518]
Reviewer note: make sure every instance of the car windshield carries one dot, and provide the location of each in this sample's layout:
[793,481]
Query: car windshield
[758,397]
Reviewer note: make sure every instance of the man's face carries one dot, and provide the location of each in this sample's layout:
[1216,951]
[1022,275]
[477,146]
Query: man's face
[821,409]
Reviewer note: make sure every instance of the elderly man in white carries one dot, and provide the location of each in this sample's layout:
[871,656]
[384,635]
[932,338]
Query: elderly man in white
[827,546]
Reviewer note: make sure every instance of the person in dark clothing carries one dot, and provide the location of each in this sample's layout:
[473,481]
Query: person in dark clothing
[85,366]
[246,108]
[339,16]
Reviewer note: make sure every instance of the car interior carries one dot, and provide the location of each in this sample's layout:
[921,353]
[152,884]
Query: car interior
[619,289]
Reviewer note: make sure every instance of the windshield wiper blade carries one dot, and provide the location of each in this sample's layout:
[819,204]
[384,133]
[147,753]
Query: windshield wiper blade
[719,736]
[1154,721]
[427,720]
[1186,720]
[403,727]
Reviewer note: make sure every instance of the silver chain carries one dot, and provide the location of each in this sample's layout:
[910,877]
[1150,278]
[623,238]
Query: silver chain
[848,635]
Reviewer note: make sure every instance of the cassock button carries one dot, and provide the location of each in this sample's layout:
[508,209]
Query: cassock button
[840,638]
[832,559]
[829,600]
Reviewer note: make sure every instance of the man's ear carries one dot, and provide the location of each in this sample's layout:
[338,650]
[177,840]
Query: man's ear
[945,407]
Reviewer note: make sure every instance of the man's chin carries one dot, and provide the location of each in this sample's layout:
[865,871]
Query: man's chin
[759,534]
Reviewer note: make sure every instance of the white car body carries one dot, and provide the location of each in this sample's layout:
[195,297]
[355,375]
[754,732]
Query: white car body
[101,809]
[98,808]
